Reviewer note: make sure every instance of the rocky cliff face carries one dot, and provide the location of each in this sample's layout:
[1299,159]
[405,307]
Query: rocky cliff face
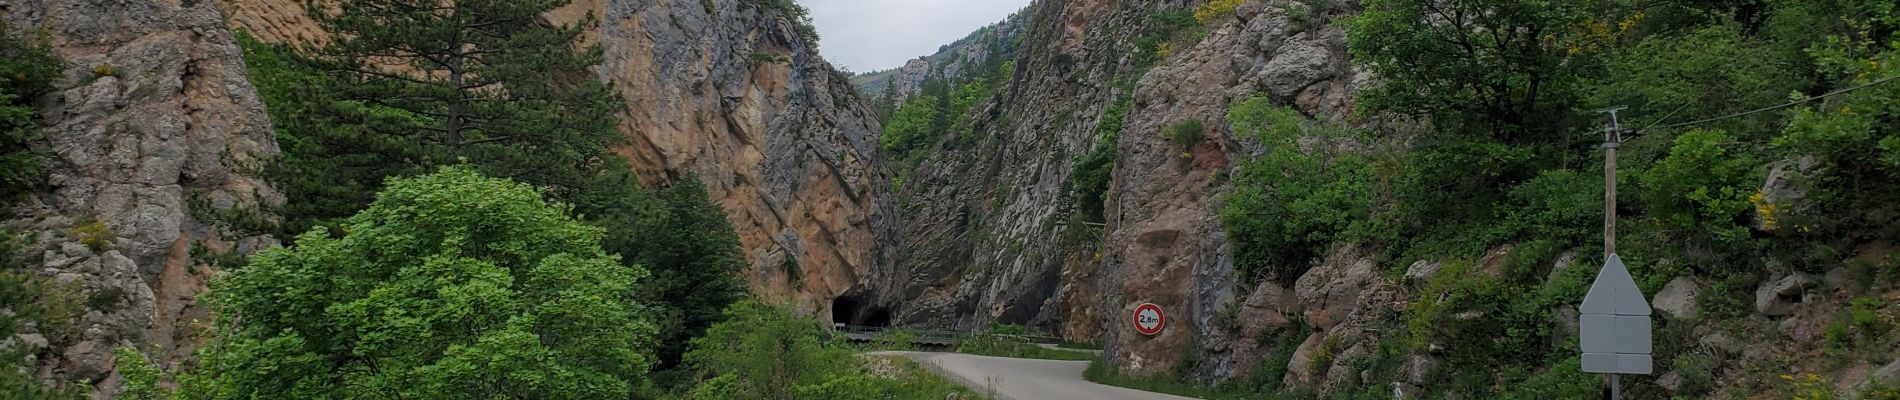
[985,222]
[153,140]
[729,91]
[951,61]
[1165,243]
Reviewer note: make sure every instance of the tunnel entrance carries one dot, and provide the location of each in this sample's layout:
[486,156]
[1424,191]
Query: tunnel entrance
[851,310]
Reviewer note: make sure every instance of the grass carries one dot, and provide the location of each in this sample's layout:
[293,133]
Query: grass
[1099,372]
[1089,345]
[920,383]
[1013,347]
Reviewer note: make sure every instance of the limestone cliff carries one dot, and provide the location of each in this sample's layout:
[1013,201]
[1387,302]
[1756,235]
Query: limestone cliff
[951,61]
[987,235]
[730,91]
[154,138]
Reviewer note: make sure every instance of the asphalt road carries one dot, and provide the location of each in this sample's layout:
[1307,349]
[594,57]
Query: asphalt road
[1025,379]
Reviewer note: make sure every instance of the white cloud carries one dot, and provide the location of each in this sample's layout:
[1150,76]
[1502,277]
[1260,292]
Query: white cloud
[867,35]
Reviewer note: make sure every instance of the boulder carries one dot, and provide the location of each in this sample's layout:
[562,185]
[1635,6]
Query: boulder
[1887,376]
[1778,297]
[1781,192]
[1328,293]
[1422,271]
[1564,262]
[1677,299]
[1671,381]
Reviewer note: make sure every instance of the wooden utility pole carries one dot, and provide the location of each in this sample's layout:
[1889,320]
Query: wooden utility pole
[1612,137]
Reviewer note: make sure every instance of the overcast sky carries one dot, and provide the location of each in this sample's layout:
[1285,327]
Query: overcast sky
[869,35]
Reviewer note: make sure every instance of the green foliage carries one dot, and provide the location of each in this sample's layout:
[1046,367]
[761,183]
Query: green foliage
[1009,341]
[765,352]
[1295,201]
[1856,146]
[94,234]
[1213,11]
[450,284]
[1698,373]
[1163,30]
[1518,82]
[694,256]
[1561,380]
[485,83]
[1090,175]
[799,16]
[1099,372]
[1185,133]
[28,68]
[35,300]
[911,127]
[1702,188]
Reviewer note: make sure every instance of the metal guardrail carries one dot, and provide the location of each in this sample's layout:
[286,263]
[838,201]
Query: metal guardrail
[928,336]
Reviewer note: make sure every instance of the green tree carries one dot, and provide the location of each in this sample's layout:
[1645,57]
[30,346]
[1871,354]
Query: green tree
[696,263]
[768,353]
[409,85]
[1296,200]
[450,285]
[912,127]
[29,299]
[27,70]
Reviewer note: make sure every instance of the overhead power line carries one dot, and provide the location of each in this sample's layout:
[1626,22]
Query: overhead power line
[1779,106]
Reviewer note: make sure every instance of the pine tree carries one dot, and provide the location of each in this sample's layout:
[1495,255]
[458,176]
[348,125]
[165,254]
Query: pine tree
[409,85]
[696,262]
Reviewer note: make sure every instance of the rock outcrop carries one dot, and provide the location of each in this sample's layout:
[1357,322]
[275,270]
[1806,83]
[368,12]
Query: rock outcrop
[950,62]
[154,139]
[729,91]
[985,219]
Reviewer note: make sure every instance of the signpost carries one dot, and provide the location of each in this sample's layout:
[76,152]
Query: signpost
[1614,330]
[1148,319]
[1614,327]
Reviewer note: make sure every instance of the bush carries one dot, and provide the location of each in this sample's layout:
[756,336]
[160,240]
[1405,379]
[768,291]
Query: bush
[95,235]
[1185,134]
[766,352]
[28,68]
[1292,203]
[1701,190]
[1212,11]
[450,284]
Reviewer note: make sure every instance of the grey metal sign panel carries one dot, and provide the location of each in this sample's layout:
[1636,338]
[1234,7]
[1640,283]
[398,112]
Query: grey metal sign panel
[1613,325]
[1615,292]
[1603,363]
[1626,334]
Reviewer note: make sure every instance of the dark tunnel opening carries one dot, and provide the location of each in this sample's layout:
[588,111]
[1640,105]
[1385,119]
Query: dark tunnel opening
[850,310]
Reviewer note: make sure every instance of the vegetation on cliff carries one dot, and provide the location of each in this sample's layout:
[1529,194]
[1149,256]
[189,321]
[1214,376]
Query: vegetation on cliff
[1511,160]
[508,97]
[28,70]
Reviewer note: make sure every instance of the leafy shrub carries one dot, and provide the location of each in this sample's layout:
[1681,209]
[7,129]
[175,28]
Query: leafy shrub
[767,352]
[1293,202]
[1809,386]
[1210,12]
[1164,28]
[28,68]
[1698,373]
[106,299]
[1702,189]
[95,235]
[1091,174]
[450,284]
[1186,133]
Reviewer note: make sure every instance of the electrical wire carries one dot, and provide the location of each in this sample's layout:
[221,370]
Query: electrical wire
[1776,107]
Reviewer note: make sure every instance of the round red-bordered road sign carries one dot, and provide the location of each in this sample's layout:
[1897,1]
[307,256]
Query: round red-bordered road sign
[1149,319]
